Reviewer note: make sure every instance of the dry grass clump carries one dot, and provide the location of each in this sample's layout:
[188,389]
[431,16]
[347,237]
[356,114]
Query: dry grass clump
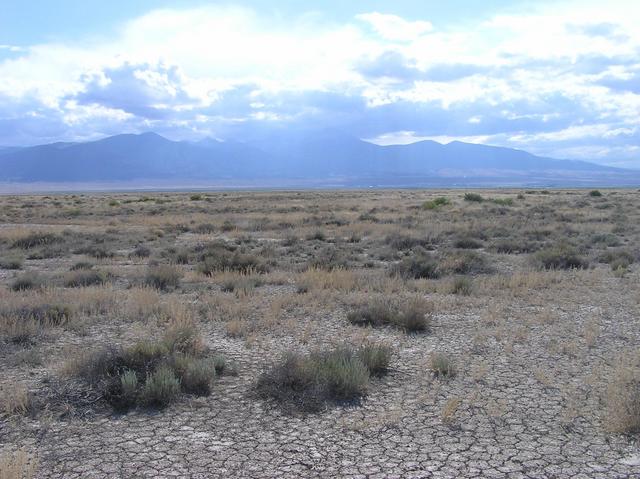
[311,382]
[35,239]
[339,279]
[81,278]
[19,464]
[413,317]
[442,365]
[15,399]
[217,257]
[622,398]
[21,323]
[152,373]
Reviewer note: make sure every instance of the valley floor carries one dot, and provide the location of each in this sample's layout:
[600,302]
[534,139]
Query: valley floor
[531,296]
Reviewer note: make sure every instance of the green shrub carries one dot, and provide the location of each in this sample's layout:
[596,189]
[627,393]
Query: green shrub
[196,197]
[197,377]
[502,201]
[161,388]
[152,373]
[163,277]
[595,194]
[473,197]
[435,203]
[376,357]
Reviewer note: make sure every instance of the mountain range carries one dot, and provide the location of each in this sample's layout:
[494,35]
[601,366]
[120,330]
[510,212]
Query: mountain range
[321,159]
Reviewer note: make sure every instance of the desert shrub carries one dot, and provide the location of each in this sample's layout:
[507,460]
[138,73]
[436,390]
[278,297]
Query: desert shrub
[412,317]
[464,262]
[502,201]
[161,388]
[473,197]
[217,258]
[35,239]
[244,283]
[310,382]
[622,399]
[416,266]
[435,203]
[84,277]
[560,256]
[595,194]
[204,228]
[467,242]
[196,197]
[403,242]
[81,265]
[442,365]
[606,239]
[141,251]
[376,358]
[330,258]
[617,258]
[11,263]
[197,376]
[513,246]
[163,277]
[152,372]
[98,252]
[317,235]
[228,226]
[30,280]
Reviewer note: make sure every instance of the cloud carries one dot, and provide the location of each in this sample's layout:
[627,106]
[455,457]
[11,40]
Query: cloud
[395,28]
[150,91]
[232,73]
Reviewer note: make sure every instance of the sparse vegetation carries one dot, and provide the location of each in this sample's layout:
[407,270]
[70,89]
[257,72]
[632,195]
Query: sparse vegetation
[311,382]
[163,277]
[415,316]
[415,312]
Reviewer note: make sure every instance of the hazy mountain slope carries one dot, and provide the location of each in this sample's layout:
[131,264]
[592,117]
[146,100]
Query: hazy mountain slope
[319,156]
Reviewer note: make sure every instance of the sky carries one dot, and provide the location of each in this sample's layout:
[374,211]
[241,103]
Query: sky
[557,78]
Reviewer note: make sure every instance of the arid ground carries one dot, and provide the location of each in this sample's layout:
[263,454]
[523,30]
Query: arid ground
[320,334]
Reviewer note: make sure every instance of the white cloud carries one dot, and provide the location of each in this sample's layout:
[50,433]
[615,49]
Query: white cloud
[395,28]
[553,75]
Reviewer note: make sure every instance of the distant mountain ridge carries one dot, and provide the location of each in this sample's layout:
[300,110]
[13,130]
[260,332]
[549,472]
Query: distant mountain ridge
[330,157]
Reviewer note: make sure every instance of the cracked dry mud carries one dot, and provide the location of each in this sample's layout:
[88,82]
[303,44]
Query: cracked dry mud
[526,402]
